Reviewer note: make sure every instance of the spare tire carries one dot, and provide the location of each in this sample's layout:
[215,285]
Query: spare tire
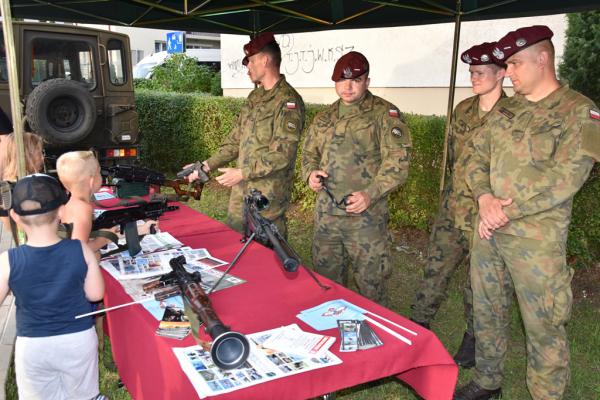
[61,111]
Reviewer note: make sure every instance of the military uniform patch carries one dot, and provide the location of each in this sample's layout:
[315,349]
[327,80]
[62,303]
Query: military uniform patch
[595,114]
[290,125]
[393,112]
[290,105]
[397,131]
[508,114]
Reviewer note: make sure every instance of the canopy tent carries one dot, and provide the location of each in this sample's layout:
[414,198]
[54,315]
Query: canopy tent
[278,16]
[284,16]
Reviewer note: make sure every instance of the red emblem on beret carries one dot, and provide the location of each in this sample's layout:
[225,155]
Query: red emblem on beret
[255,45]
[520,39]
[349,66]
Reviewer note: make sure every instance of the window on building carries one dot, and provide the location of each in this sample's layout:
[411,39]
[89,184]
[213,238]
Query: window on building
[160,46]
[136,56]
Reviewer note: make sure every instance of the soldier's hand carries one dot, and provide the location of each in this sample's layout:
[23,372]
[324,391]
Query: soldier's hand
[205,166]
[357,202]
[230,176]
[484,231]
[490,210]
[193,176]
[313,179]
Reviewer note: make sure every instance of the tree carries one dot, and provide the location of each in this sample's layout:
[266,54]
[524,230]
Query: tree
[580,66]
[180,73]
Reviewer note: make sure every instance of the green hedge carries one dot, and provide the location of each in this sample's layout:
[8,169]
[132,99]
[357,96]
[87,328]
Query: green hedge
[181,128]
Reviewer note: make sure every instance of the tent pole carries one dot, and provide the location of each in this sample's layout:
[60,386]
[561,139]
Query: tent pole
[457,23]
[13,84]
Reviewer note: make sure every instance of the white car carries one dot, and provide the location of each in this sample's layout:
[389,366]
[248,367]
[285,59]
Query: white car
[208,57]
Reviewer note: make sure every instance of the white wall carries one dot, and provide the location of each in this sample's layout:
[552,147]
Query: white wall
[401,57]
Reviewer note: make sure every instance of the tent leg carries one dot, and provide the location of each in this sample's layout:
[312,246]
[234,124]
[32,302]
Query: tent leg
[451,89]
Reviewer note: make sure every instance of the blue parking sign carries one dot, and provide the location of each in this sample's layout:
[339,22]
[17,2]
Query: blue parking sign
[175,42]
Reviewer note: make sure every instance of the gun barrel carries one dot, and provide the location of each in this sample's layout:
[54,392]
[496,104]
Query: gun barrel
[229,349]
[281,248]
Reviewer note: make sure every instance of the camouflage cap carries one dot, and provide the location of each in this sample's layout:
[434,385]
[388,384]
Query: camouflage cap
[480,54]
[349,66]
[255,45]
[520,39]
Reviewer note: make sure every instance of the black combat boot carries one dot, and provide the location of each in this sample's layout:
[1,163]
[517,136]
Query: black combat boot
[465,356]
[422,323]
[472,391]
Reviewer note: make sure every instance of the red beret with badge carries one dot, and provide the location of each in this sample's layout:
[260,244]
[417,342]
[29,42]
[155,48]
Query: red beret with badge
[349,66]
[520,39]
[257,43]
[480,54]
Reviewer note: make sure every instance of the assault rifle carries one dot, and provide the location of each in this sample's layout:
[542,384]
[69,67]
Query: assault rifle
[229,349]
[129,173]
[126,218]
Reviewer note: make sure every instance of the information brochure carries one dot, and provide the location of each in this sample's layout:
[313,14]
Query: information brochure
[262,365]
[292,339]
[325,316]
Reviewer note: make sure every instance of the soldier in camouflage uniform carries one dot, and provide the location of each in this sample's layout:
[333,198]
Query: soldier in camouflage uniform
[452,229]
[530,158]
[264,140]
[360,146]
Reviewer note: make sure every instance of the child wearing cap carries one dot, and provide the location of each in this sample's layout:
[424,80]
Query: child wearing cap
[53,281]
[79,172]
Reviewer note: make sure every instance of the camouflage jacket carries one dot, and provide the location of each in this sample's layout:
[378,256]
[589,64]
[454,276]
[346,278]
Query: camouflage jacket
[538,154]
[265,141]
[458,198]
[365,150]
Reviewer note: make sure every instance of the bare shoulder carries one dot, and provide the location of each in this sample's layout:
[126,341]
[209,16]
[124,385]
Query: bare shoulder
[78,210]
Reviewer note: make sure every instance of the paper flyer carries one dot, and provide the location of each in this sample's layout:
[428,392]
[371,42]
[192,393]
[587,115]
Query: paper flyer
[262,365]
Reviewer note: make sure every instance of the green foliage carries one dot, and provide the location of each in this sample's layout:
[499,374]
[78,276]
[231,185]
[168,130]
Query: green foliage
[583,243]
[581,60]
[180,73]
[181,128]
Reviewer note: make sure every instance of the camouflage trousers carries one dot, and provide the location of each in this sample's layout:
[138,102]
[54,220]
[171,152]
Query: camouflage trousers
[359,241]
[235,214]
[537,272]
[448,248]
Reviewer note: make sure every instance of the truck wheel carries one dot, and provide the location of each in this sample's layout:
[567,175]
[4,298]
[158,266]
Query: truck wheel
[61,111]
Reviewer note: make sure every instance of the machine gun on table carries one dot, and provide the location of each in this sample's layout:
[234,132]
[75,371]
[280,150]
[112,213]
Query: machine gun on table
[115,175]
[126,218]
[229,349]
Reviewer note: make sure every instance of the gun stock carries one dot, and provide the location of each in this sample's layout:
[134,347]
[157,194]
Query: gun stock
[130,173]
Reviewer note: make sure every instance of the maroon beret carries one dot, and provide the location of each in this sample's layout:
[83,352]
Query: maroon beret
[480,54]
[255,45]
[520,39]
[349,66]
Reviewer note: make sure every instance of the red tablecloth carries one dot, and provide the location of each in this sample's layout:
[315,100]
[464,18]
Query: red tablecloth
[270,298]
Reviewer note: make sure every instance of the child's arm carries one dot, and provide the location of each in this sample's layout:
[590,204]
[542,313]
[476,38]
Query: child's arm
[82,226]
[94,282]
[4,275]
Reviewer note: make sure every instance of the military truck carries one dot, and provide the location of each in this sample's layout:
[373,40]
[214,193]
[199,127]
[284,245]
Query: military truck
[76,86]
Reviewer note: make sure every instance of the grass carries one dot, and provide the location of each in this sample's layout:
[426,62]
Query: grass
[584,329]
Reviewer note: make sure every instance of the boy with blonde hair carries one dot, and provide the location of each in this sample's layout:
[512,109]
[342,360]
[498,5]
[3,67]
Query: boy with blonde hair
[53,281]
[79,172]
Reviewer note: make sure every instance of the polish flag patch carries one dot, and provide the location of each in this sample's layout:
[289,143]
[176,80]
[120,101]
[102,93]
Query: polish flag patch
[393,112]
[594,114]
[290,105]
